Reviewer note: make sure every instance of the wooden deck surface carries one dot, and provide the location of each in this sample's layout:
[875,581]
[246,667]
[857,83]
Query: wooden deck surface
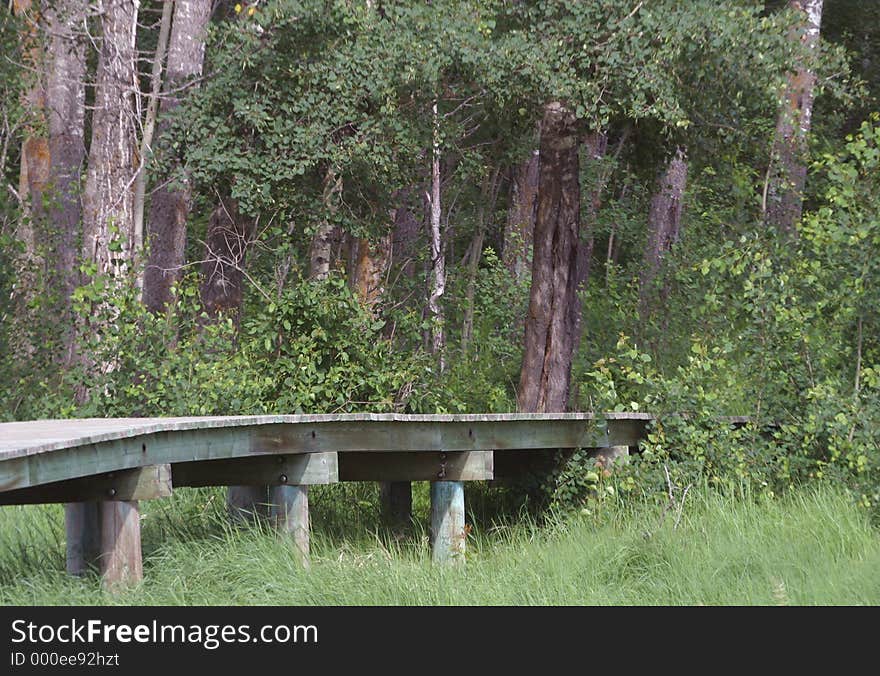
[38,436]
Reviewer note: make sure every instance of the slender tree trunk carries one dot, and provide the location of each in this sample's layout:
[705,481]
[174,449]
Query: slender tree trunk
[437,277]
[328,234]
[664,225]
[520,227]
[485,214]
[545,376]
[146,149]
[65,105]
[787,173]
[108,201]
[170,203]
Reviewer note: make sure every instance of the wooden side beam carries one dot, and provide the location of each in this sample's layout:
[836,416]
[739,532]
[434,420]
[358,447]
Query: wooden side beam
[145,483]
[417,466]
[261,470]
[447,522]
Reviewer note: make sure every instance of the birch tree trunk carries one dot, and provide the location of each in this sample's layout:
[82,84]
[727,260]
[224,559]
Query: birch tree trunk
[170,202]
[787,173]
[437,273]
[108,201]
[664,226]
[545,376]
[328,234]
[149,128]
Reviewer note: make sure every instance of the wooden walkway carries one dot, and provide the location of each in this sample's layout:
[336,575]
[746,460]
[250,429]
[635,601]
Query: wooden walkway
[101,468]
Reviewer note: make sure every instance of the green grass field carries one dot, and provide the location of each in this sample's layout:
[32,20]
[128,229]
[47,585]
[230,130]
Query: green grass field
[813,547]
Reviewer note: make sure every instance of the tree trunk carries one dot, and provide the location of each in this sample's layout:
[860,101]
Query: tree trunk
[146,149]
[223,268]
[664,224]
[108,202]
[437,273]
[787,173]
[485,215]
[170,203]
[368,264]
[328,234]
[521,218]
[550,325]
[65,104]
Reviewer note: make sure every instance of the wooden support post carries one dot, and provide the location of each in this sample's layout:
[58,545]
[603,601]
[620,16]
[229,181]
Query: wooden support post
[246,503]
[289,510]
[121,561]
[447,521]
[396,497]
[82,526]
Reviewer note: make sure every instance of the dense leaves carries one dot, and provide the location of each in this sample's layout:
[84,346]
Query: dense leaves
[779,329]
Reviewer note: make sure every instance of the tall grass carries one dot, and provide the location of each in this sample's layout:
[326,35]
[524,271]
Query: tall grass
[812,547]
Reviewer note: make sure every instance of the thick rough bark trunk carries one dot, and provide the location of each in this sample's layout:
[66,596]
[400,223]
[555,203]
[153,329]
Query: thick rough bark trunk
[222,269]
[550,325]
[520,226]
[368,265]
[65,105]
[170,203]
[787,173]
[108,201]
[664,226]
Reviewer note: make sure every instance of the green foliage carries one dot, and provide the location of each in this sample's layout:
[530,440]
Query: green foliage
[317,349]
[484,378]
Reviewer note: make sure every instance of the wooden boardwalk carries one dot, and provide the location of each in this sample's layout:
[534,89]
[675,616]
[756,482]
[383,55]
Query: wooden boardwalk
[101,468]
